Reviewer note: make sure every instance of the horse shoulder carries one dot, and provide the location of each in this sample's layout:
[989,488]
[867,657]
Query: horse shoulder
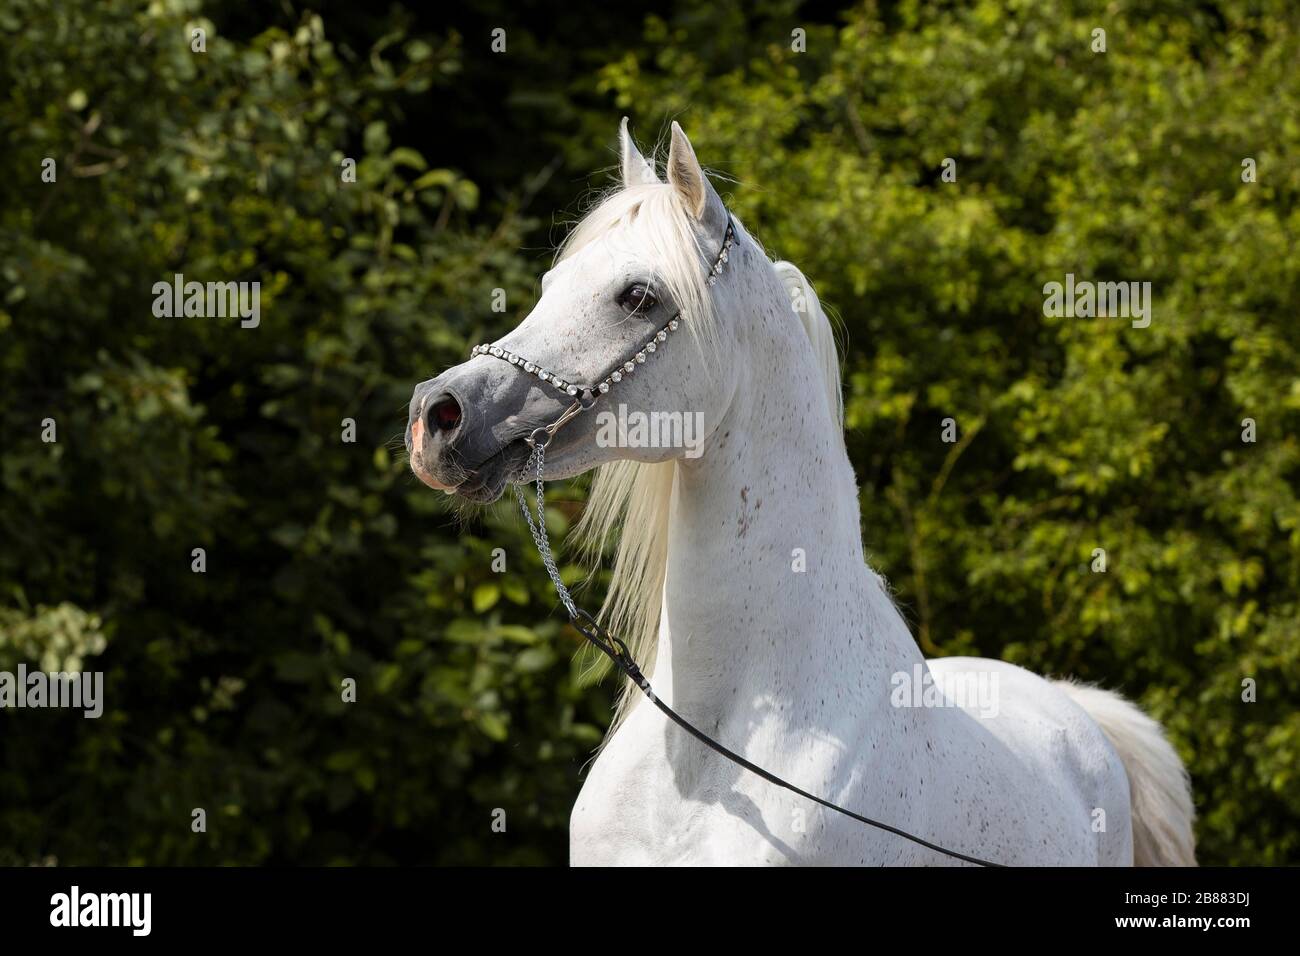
[1046,753]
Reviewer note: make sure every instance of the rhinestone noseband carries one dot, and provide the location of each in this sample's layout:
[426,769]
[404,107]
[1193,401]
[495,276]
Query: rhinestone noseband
[586,395]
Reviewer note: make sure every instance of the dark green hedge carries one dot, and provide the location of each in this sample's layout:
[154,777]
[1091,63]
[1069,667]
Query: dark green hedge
[326,561]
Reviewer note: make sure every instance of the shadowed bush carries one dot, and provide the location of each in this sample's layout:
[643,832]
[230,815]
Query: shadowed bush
[325,561]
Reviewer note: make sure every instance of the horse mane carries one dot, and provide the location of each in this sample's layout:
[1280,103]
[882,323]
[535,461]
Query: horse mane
[637,496]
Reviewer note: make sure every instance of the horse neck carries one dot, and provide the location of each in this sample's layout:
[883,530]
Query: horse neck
[740,623]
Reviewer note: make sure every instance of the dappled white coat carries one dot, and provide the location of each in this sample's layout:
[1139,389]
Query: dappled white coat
[777,639]
[793,669]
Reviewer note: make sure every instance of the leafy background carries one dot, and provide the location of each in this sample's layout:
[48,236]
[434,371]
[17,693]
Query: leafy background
[325,560]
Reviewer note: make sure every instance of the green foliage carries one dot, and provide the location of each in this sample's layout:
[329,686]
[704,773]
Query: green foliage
[326,561]
[1075,433]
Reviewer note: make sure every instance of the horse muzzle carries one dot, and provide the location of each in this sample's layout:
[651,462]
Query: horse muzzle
[466,430]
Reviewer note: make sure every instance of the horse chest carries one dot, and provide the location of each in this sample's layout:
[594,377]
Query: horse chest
[658,797]
[637,808]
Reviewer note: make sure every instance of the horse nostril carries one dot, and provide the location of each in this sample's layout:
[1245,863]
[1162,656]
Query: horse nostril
[444,414]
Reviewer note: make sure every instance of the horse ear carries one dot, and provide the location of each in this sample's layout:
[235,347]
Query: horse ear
[636,168]
[687,177]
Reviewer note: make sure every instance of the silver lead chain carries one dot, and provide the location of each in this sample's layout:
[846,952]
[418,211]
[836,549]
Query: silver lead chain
[538,527]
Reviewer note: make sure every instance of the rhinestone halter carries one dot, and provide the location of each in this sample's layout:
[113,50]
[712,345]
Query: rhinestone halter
[586,395]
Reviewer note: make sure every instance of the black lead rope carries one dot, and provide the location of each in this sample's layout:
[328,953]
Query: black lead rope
[585,397]
[617,651]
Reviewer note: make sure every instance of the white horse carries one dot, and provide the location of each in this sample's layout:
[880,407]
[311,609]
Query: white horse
[741,587]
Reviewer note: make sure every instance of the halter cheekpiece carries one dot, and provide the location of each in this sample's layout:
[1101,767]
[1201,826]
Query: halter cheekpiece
[586,395]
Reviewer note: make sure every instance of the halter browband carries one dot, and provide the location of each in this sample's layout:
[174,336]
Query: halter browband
[586,395]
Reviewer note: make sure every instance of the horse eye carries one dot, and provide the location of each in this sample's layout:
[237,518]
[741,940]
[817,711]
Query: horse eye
[637,298]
